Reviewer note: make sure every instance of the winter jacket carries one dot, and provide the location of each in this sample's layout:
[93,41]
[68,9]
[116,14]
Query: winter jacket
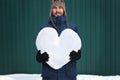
[68,71]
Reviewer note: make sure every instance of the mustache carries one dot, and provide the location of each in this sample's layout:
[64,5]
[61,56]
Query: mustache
[58,13]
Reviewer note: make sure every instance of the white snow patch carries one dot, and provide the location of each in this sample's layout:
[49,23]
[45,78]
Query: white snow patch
[38,77]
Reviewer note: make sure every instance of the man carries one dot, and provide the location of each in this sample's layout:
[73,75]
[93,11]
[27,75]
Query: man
[59,21]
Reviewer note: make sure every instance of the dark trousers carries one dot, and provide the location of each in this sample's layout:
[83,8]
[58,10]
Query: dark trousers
[59,78]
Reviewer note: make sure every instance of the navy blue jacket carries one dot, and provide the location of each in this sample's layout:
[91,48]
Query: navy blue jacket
[67,72]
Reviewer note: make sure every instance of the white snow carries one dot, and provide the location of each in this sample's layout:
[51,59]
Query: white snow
[38,77]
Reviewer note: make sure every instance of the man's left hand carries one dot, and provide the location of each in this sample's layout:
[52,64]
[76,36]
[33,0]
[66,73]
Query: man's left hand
[75,55]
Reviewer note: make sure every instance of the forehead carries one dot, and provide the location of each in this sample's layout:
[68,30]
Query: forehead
[55,6]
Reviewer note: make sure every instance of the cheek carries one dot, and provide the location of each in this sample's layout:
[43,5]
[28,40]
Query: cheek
[53,11]
[61,11]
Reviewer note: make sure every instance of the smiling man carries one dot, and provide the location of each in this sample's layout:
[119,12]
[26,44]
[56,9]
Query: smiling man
[58,21]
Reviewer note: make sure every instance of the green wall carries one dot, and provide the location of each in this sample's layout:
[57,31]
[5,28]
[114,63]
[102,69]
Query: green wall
[98,20]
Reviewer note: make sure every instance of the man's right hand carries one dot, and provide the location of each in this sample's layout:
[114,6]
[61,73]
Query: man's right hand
[42,58]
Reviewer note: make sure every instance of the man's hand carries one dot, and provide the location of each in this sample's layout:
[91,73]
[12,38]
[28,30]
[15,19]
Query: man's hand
[75,55]
[42,58]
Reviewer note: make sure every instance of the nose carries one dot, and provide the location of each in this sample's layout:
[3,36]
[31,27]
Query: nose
[57,9]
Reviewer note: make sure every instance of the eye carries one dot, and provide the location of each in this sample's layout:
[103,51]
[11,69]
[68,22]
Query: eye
[54,7]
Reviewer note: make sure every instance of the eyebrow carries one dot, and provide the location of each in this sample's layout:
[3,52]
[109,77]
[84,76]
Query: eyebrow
[58,6]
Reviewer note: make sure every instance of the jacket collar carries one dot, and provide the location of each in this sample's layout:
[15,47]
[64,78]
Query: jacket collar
[59,20]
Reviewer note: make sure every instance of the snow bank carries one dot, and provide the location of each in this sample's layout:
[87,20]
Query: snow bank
[38,77]
[6,78]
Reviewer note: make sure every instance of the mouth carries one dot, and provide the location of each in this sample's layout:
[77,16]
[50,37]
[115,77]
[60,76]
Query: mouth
[58,14]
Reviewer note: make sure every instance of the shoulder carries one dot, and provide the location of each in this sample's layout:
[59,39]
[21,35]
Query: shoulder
[44,25]
[73,27]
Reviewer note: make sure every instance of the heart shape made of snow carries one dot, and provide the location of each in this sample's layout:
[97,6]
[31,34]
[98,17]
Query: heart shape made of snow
[57,47]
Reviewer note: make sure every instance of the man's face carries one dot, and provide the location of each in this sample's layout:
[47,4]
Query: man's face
[57,11]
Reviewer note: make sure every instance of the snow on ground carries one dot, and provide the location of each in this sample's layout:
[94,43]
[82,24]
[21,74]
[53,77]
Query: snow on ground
[38,77]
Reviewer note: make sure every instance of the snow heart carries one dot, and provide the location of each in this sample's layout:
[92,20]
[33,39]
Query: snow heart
[58,47]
